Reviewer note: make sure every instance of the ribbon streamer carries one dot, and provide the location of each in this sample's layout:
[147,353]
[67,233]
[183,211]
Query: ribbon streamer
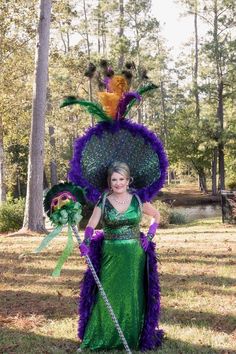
[49,238]
[66,253]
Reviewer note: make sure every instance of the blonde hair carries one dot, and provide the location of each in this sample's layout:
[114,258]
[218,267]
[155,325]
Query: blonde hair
[118,167]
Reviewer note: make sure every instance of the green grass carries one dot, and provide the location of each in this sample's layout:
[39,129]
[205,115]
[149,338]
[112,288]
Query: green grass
[197,271]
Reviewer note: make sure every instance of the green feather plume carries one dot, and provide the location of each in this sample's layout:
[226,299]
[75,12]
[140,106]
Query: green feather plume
[142,90]
[93,108]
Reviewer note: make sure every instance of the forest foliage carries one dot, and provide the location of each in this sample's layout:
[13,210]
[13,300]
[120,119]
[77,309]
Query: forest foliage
[186,110]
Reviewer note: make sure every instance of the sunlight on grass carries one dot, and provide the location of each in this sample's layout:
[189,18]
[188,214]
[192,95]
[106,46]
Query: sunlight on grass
[38,313]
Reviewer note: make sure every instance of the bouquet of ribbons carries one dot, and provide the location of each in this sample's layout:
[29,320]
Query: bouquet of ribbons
[63,205]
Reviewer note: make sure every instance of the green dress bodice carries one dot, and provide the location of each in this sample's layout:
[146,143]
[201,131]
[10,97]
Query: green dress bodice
[122,226]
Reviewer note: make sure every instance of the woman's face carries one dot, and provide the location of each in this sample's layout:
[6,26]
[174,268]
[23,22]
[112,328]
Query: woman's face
[119,183]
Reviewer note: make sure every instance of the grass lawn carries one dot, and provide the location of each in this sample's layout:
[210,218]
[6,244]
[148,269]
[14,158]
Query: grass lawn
[197,268]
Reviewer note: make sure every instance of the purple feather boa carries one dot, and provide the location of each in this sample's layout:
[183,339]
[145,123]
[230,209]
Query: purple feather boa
[75,174]
[151,336]
[88,287]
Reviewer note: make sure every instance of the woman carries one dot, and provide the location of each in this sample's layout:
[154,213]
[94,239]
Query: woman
[126,263]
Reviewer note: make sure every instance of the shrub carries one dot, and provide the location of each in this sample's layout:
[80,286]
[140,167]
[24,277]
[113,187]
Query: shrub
[11,215]
[177,218]
[232,184]
[164,210]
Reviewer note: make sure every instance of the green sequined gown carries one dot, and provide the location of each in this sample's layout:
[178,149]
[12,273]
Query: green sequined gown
[122,275]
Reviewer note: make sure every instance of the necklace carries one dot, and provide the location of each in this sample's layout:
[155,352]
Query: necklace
[121,202]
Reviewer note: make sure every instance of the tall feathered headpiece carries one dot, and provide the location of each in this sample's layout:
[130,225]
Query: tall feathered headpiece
[115,138]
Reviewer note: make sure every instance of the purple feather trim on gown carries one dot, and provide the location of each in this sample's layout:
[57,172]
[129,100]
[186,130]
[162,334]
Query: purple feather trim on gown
[88,286]
[151,336]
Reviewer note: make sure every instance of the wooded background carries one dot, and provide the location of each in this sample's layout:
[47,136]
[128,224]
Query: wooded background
[193,109]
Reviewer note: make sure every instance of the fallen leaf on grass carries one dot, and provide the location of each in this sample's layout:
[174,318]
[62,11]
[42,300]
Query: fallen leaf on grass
[59,294]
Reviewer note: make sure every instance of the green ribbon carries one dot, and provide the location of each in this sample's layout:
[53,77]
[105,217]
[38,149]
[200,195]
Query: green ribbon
[70,214]
[65,254]
[49,238]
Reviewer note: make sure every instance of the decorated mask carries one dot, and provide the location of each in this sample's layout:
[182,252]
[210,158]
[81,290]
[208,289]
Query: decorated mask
[61,199]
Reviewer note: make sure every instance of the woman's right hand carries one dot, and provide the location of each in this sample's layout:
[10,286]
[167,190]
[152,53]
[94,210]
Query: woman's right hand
[84,246]
[84,249]
[89,230]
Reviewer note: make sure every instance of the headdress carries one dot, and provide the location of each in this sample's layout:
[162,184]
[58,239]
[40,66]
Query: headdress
[116,138]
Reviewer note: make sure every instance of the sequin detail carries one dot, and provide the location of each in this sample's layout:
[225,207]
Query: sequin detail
[124,234]
[102,150]
[121,226]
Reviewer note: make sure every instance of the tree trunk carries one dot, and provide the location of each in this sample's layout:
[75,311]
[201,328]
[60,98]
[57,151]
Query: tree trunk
[89,54]
[202,182]
[53,164]
[220,107]
[91,99]
[86,29]
[221,166]
[195,82]
[2,184]
[220,115]
[139,112]
[99,28]
[121,34]
[33,218]
[18,187]
[45,180]
[214,172]
[163,107]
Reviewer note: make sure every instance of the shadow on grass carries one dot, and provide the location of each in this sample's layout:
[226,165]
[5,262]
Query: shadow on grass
[197,283]
[200,319]
[25,257]
[198,278]
[23,304]
[18,342]
[197,232]
[197,257]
